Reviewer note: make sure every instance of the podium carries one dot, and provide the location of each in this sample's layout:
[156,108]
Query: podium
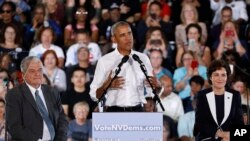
[113,126]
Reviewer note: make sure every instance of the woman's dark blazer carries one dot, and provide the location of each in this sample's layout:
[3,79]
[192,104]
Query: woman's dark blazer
[205,116]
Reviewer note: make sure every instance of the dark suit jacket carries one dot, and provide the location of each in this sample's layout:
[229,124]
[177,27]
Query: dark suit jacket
[205,116]
[24,121]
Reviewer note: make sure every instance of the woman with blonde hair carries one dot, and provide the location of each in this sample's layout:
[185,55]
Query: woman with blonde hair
[189,15]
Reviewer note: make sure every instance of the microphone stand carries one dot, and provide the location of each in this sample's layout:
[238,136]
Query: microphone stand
[156,97]
[102,98]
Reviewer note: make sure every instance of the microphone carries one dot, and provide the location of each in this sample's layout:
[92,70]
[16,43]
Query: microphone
[117,71]
[124,60]
[144,70]
[136,58]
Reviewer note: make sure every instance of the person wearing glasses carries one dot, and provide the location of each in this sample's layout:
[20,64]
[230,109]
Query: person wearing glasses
[218,108]
[8,9]
[81,21]
[38,22]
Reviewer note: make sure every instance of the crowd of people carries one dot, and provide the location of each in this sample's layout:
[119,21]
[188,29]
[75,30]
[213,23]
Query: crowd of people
[80,42]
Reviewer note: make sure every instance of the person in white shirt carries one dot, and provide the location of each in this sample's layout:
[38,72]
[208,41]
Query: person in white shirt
[170,101]
[46,37]
[83,39]
[238,8]
[126,92]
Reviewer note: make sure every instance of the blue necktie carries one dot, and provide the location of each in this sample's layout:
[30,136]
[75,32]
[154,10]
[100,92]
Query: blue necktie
[44,114]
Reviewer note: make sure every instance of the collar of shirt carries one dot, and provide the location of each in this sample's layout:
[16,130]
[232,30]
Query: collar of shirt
[232,4]
[33,90]
[120,55]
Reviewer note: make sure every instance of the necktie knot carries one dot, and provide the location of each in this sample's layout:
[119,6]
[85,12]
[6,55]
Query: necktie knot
[36,92]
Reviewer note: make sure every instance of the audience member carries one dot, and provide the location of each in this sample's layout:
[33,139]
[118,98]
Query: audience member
[80,129]
[83,39]
[156,59]
[153,20]
[38,22]
[130,9]
[170,101]
[55,11]
[188,15]
[8,10]
[11,39]
[2,121]
[81,21]
[186,122]
[226,15]
[56,75]
[155,38]
[238,8]
[165,13]
[7,63]
[83,62]
[22,11]
[47,37]
[79,92]
[196,84]
[229,40]
[150,106]
[105,26]
[239,84]
[201,52]
[11,43]
[183,74]
[205,12]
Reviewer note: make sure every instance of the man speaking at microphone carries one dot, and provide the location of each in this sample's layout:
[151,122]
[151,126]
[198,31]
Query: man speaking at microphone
[126,92]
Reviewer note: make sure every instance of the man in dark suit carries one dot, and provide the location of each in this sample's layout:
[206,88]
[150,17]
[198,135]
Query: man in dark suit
[33,110]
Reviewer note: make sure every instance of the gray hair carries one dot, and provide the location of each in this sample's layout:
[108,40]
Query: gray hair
[116,25]
[26,62]
[81,104]
[82,46]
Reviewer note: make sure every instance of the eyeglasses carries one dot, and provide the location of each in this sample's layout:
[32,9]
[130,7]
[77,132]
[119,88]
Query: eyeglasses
[6,11]
[82,12]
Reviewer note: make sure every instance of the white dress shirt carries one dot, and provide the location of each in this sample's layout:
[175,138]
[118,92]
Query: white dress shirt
[173,106]
[133,92]
[39,50]
[46,135]
[238,8]
[186,124]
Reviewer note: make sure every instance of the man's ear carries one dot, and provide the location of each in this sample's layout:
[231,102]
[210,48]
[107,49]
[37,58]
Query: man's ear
[113,39]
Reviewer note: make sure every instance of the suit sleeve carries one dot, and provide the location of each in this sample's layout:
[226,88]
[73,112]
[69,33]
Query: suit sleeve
[62,123]
[238,118]
[14,117]
[202,125]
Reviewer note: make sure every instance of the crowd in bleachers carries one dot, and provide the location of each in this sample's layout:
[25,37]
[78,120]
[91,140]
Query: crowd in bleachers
[181,38]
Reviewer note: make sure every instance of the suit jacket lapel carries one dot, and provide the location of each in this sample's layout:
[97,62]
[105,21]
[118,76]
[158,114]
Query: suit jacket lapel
[227,105]
[28,95]
[211,102]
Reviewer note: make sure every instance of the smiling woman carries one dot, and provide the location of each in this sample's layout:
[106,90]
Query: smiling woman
[218,108]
